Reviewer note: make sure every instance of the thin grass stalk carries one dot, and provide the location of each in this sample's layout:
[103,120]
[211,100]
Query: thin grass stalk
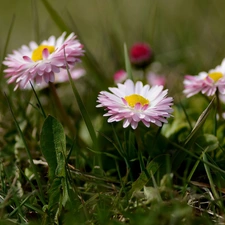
[7,41]
[209,175]
[218,106]
[193,170]
[28,153]
[197,157]
[35,20]
[127,63]
[39,103]
[140,156]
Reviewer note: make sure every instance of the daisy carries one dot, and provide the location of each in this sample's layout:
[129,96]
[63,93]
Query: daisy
[206,83]
[39,63]
[133,103]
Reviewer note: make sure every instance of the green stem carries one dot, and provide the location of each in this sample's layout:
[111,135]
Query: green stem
[218,105]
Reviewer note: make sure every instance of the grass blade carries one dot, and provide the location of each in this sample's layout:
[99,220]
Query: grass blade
[56,17]
[82,108]
[209,175]
[127,63]
[7,42]
[179,156]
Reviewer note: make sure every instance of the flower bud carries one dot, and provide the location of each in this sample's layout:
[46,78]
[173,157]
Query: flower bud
[141,55]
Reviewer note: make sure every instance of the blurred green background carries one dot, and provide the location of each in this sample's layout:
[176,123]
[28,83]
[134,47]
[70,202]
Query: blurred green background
[187,36]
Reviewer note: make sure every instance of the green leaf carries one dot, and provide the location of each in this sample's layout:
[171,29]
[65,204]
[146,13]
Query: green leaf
[201,120]
[152,195]
[53,146]
[54,195]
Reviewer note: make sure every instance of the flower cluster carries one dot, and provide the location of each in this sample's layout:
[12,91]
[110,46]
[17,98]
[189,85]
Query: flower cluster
[39,63]
[133,103]
[206,83]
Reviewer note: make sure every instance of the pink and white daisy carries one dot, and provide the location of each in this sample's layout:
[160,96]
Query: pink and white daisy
[133,102]
[206,83]
[39,63]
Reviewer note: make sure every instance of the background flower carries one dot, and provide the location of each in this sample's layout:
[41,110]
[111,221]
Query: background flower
[155,79]
[206,83]
[120,76]
[141,54]
[133,103]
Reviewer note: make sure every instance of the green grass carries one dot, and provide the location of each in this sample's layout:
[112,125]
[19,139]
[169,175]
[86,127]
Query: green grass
[68,165]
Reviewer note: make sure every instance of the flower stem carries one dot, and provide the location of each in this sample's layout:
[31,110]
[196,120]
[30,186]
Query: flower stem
[219,109]
[61,109]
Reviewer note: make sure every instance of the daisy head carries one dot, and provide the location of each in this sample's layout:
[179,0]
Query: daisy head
[133,102]
[39,63]
[206,83]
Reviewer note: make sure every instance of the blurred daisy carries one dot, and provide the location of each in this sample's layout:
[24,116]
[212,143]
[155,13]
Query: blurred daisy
[39,63]
[120,76]
[133,103]
[206,83]
[155,79]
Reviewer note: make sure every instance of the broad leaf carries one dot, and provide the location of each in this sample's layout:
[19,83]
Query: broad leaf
[53,146]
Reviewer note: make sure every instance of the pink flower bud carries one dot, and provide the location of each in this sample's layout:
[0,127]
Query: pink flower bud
[120,76]
[141,55]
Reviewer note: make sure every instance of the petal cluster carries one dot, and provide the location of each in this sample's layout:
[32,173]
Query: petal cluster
[156,111]
[21,68]
[60,77]
[206,83]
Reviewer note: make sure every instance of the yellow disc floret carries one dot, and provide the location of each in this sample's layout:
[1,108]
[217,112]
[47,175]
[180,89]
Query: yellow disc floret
[132,100]
[37,53]
[215,76]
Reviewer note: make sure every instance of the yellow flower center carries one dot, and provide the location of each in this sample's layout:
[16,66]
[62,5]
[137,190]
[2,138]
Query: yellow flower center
[37,53]
[215,76]
[132,100]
